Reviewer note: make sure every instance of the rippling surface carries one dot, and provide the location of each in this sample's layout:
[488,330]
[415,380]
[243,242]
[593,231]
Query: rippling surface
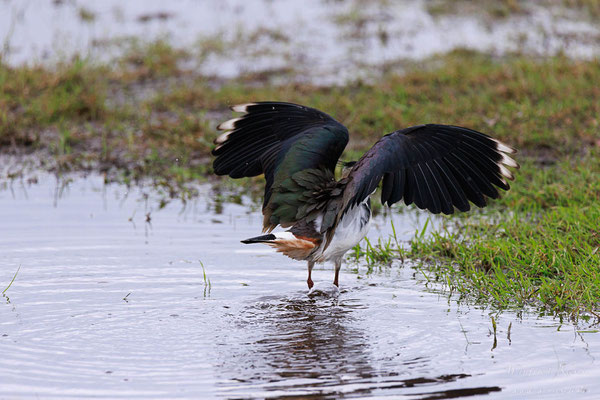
[111,301]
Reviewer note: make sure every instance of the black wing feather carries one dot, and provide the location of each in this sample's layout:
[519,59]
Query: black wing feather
[458,197]
[399,184]
[445,198]
[436,167]
[410,187]
[465,181]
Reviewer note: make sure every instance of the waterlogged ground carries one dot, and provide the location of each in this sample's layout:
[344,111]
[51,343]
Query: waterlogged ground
[111,301]
[355,38]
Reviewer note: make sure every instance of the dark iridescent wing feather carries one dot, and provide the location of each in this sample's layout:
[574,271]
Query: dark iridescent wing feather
[279,140]
[436,167]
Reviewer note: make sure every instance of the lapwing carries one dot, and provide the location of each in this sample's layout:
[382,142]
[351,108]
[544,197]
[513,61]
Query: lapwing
[440,168]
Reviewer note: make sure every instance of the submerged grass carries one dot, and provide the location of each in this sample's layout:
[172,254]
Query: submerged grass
[146,116]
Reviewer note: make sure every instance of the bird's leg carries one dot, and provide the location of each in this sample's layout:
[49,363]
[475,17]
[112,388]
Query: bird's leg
[309,281]
[338,265]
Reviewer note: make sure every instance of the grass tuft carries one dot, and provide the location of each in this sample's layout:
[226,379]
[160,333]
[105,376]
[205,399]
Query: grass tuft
[10,284]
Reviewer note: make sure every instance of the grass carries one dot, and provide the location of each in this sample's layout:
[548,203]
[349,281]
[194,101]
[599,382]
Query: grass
[207,284]
[146,117]
[539,246]
[87,116]
[384,252]
[10,284]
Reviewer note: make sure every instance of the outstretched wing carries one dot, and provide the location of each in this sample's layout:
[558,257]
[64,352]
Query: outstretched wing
[437,167]
[279,140]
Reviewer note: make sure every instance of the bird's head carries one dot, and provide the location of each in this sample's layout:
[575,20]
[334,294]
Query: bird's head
[346,167]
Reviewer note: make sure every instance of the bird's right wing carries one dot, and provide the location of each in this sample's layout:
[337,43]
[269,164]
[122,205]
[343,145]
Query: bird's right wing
[280,140]
[437,167]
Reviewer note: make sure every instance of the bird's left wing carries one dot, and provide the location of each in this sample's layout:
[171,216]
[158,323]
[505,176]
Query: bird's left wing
[295,146]
[437,167]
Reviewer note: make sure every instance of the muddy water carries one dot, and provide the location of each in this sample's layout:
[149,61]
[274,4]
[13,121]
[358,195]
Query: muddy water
[111,301]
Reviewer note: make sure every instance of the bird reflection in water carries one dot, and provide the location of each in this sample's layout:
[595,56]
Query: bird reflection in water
[303,338]
[310,348]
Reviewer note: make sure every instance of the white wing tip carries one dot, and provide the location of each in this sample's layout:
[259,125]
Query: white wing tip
[228,125]
[506,160]
[242,107]
[222,138]
[505,172]
[504,148]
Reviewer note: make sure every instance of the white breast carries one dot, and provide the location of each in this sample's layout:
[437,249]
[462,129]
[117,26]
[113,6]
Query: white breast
[353,226]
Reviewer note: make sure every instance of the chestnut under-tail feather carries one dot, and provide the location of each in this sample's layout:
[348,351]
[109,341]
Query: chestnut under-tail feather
[296,247]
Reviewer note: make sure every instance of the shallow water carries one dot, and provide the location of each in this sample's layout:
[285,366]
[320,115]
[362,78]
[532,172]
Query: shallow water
[109,305]
[326,41]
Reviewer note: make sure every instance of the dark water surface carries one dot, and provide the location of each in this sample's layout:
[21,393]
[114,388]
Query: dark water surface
[108,305]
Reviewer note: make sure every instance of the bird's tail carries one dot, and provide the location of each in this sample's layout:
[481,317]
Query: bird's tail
[260,239]
[296,247]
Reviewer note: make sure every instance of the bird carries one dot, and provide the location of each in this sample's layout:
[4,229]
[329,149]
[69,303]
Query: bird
[439,168]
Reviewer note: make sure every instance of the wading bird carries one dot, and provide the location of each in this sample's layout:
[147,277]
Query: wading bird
[437,167]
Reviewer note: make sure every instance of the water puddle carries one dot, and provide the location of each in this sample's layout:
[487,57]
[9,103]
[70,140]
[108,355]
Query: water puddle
[355,38]
[116,298]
